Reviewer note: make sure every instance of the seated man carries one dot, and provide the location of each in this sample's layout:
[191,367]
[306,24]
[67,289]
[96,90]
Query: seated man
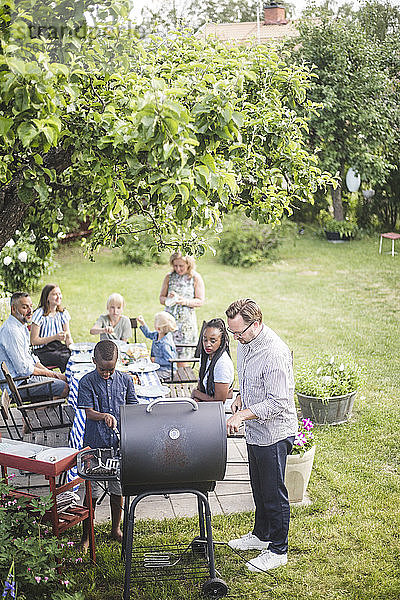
[101,393]
[15,352]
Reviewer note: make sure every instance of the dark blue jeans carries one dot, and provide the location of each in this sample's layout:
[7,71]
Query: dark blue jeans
[267,475]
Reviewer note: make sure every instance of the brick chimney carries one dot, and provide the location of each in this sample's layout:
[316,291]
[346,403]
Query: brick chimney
[274,14]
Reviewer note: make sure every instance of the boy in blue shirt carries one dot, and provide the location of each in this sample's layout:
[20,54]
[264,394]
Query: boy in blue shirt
[101,393]
[163,346]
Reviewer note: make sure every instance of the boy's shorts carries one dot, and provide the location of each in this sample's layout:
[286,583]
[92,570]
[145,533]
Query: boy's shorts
[114,487]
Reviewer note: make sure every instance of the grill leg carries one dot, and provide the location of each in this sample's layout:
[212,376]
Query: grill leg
[125,525]
[210,546]
[128,552]
[129,542]
[202,528]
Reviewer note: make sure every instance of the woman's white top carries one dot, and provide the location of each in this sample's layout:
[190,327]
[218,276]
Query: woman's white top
[224,371]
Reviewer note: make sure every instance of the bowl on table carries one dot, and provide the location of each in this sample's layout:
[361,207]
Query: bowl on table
[142,366]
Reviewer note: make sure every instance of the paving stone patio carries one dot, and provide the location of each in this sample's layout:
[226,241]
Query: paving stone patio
[229,496]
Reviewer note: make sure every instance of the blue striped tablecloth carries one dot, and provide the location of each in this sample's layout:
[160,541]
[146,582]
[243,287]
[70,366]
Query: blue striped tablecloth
[78,426]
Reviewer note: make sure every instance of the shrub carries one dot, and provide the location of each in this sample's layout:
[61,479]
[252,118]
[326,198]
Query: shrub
[324,377]
[20,266]
[244,242]
[346,228]
[141,249]
[28,549]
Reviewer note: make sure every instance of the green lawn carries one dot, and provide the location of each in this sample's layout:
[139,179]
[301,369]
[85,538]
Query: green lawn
[318,297]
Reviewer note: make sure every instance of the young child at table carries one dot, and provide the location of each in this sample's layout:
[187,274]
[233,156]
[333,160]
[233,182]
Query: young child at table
[163,346]
[101,393]
[114,325]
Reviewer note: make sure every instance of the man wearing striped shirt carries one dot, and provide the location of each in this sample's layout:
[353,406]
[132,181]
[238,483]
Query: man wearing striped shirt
[266,405]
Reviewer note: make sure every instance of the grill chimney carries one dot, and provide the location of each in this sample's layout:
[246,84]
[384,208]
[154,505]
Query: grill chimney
[274,14]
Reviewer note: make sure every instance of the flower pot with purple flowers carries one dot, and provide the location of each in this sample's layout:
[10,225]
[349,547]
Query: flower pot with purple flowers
[300,462]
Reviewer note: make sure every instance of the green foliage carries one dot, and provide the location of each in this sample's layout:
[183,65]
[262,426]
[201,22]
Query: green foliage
[180,130]
[61,595]
[381,21]
[346,228]
[244,242]
[27,542]
[324,377]
[21,267]
[357,93]
[140,248]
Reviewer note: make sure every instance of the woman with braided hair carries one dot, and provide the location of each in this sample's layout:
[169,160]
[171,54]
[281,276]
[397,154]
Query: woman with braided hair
[216,367]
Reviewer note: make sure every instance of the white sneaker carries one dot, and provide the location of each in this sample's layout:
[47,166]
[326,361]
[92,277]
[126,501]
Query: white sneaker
[248,542]
[266,560]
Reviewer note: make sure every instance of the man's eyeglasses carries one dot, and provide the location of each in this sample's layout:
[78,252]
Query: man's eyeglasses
[240,333]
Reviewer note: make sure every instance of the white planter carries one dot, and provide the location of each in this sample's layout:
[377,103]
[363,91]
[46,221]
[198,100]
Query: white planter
[297,474]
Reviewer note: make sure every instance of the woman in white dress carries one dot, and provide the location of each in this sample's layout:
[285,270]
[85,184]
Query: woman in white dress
[216,367]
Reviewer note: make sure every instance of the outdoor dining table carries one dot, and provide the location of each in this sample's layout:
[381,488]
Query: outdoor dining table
[148,379]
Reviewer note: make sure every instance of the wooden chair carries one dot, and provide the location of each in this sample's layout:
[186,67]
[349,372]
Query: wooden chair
[40,413]
[8,418]
[186,374]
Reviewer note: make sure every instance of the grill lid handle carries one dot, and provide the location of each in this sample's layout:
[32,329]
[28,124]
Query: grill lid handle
[150,405]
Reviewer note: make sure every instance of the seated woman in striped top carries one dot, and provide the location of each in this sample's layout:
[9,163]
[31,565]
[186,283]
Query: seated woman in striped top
[216,367]
[50,334]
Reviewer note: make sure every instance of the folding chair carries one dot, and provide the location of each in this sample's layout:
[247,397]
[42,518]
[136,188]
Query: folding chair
[45,413]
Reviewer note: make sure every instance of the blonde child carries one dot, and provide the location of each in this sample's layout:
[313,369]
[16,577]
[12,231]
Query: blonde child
[163,346]
[114,325]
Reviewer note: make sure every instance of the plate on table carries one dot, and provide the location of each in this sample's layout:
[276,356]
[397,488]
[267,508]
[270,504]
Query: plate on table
[82,357]
[142,367]
[152,391]
[82,346]
[78,367]
[78,370]
[55,454]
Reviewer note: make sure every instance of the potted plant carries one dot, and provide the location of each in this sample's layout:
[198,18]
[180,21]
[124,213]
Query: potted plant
[299,463]
[337,230]
[326,388]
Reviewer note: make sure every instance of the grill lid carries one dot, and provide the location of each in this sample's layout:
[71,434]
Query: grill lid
[172,442]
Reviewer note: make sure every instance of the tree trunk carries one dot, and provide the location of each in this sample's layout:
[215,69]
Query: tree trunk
[12,208]
[337,203]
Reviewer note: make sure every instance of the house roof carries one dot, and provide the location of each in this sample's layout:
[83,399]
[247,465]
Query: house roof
[244,33]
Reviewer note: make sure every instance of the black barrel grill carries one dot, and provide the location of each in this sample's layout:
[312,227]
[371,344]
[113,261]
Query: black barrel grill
[168,447]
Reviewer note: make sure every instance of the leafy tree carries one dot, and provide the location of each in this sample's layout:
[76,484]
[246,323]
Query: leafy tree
[355,125]
[177,130]
[381,22]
